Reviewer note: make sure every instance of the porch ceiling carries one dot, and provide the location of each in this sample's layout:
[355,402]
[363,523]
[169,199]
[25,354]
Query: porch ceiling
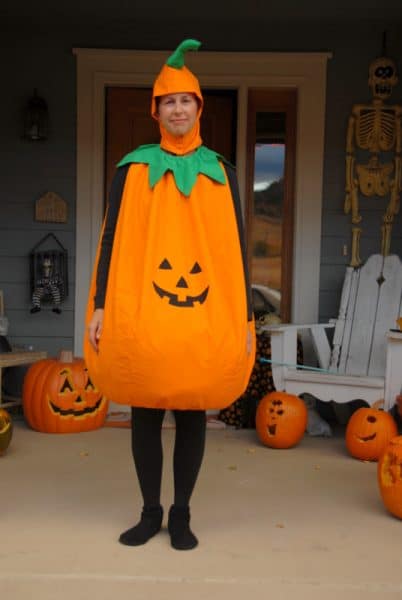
[92,10]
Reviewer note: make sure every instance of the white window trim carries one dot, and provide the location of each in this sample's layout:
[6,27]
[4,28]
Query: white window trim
[98,69]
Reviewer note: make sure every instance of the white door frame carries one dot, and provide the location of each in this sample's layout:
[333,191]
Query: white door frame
[98,69]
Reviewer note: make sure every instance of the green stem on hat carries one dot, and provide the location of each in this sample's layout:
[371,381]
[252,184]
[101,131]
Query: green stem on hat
[176,60]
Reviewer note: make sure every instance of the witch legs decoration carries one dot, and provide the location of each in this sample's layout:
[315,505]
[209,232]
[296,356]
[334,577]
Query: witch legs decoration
[47,285]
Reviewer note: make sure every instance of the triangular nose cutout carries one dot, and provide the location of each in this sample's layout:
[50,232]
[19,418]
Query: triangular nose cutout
[182,283]
[165,264]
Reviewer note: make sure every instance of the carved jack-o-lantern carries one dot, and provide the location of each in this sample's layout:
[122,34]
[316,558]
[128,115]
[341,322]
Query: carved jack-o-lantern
[281,420]
[180,289]
[368,432]
[59,397]
[6,430]
[389,475]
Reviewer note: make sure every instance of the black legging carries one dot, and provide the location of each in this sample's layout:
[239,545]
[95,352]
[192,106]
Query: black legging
[146,443]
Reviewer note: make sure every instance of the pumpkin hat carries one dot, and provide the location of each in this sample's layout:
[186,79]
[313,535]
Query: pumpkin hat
[175,78]
[184,156]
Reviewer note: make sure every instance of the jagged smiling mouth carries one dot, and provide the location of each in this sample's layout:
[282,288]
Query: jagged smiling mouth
[189,301]
[76,413]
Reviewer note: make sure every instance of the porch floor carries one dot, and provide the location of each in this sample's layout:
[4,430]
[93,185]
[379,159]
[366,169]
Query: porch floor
[307,522]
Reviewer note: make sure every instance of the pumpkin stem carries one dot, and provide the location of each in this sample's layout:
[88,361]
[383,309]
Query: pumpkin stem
[176,60]
[377,405]
[66,356]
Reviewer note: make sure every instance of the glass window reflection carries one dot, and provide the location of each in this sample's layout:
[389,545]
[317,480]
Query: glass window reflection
[267,225]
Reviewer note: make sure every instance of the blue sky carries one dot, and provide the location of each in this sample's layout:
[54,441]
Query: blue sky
[268,166]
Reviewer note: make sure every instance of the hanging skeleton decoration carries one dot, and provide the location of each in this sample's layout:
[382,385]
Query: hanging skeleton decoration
[48,285]
[376,129]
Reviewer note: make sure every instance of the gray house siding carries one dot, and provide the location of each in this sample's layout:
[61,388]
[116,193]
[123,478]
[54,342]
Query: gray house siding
[30,169]
[44,60]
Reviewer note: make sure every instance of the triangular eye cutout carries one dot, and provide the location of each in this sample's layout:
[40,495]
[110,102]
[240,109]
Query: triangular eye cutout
[165,264]
[66,387]
[89,385]
[196,268]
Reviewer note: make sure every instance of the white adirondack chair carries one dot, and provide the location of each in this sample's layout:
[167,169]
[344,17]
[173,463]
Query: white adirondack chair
[365,359]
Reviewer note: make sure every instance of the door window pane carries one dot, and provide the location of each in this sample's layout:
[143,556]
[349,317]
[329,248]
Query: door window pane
[268,211]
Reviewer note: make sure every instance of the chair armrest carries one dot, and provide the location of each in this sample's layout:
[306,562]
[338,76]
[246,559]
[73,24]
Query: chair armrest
[289,333]
[394,334]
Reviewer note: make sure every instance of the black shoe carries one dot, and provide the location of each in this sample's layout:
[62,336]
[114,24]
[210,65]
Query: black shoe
[181,536]
[148,526]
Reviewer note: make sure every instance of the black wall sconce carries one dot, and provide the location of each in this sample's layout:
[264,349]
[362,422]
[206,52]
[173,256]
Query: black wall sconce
[36,119]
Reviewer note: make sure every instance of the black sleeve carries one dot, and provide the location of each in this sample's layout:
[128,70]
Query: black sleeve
[234,188]
[116,192]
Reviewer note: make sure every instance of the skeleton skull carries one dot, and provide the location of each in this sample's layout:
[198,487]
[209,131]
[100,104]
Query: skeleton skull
[47,266]
[382,77]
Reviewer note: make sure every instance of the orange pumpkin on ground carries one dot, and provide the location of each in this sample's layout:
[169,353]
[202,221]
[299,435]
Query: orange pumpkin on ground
[59,397]
[389,475]
[6,430]
[368,432]
[281,420]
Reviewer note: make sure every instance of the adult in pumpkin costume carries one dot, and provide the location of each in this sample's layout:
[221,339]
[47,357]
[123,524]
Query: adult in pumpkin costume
[172,326]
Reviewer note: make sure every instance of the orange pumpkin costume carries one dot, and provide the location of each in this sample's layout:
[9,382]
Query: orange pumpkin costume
[178,331]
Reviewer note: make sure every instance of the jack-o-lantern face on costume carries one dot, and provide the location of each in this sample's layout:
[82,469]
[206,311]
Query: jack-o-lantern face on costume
[181,289]
[59,397]
[368,432]
[281,420]
[389,476]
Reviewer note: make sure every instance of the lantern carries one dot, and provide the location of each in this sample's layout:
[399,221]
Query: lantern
[59,397]
[368,432]
[389,476]
[281,420]
[36,119]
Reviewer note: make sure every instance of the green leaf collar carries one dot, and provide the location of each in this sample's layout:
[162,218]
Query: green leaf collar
[184,168]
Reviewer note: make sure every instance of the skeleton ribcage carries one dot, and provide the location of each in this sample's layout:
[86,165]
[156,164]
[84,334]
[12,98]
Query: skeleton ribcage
[376,129]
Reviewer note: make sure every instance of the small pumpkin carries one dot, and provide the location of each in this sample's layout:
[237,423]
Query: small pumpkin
[368,432]
[59,397]
[6,430]
[389,476]
[281,420]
